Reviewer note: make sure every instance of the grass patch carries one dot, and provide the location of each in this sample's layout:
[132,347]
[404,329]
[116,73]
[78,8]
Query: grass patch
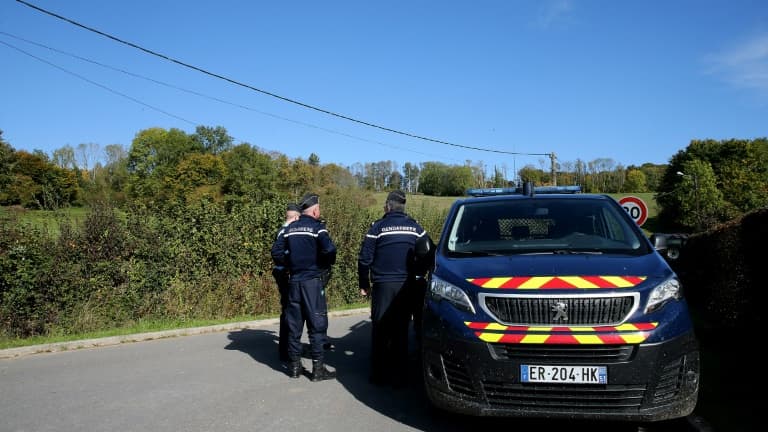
[417,201]
[45,220]
[142,326]
[444,202]
[351,306]
[414,201]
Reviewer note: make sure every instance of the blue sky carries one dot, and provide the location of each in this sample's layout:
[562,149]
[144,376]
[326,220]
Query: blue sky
[631,81]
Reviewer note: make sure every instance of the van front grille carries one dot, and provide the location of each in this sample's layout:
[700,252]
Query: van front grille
[582,310]
[582,398]
[576,354]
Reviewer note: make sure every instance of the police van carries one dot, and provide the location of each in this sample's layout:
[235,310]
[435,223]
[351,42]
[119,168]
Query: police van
[547,302]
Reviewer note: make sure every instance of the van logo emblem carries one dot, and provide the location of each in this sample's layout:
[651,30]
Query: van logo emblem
[561,311]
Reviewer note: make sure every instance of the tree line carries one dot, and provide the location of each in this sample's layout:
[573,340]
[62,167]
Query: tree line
[171,164]
[707,182]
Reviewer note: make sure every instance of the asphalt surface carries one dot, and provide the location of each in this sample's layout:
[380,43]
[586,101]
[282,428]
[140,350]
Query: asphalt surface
[228,378]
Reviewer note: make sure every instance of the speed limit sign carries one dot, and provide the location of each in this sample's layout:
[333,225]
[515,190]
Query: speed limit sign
[636,208]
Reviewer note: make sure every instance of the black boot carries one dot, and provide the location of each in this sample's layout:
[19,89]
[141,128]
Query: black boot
[320,373]
[294,368]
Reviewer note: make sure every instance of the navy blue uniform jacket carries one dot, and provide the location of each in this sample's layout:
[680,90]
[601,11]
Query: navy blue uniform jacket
[279,267]
[387,253]
[305,248]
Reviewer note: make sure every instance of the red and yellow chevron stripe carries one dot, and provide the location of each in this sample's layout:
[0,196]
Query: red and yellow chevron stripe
[623,334]
[558,282]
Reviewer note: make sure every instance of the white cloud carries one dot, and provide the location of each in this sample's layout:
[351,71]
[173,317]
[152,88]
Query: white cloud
[744,65]
[552,12]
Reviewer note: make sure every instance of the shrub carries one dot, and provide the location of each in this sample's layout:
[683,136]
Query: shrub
[721,271]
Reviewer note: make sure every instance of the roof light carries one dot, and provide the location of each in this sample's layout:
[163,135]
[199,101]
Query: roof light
[519,190]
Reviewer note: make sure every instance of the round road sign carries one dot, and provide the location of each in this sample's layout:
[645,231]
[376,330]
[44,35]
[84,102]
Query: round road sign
[636,208]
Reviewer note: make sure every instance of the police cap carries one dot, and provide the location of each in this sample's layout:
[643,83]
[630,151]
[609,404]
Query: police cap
[308,200]
[397,196]
[293,207]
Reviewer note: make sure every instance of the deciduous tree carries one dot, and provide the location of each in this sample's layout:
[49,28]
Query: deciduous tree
[635,181]
[251,174]
[213,140]
[153,156]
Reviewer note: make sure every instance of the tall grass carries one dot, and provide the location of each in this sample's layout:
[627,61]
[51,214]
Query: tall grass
[47,221]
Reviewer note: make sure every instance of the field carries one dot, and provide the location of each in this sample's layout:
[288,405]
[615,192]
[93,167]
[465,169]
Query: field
[49,221]
[45,220]
[417,201]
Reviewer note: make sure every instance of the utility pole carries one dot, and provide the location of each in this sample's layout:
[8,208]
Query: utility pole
[552,159]
[553,168]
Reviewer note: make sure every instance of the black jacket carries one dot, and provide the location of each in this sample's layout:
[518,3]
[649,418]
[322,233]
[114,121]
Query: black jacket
[387,252]
[305,249]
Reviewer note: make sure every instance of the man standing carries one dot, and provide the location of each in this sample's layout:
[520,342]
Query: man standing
[387,259]
[306,249]
[280,273]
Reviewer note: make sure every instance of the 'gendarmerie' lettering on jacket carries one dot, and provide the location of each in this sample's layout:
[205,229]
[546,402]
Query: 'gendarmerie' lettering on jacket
[385,230]
[388,249]
[305,248]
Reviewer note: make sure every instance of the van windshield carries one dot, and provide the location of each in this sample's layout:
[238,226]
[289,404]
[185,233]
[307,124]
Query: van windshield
[543,226]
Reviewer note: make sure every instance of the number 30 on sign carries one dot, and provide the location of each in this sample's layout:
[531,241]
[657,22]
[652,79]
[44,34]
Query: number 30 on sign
[636,209]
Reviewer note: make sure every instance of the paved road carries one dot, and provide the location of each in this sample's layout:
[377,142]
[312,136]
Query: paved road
[227,380]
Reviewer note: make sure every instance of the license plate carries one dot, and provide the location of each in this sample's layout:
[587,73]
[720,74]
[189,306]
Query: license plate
[563,374]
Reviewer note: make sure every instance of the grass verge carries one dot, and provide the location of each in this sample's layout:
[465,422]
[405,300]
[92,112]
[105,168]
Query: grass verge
[142,326]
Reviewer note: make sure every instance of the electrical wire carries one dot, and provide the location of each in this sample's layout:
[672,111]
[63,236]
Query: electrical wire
[76,75]
[172,86]
[250,87]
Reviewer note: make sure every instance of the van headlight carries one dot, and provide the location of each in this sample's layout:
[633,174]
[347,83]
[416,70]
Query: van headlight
[442,290]
[668,290]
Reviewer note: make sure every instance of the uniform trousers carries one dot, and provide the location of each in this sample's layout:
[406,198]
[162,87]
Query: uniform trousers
[391,309]
[306,304]
[281,278]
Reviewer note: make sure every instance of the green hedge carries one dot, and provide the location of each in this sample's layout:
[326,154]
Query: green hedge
[722,272]
[201,260]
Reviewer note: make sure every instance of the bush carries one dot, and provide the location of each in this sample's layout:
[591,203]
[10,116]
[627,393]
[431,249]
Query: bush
[25,296]
[181,261]
[721,271]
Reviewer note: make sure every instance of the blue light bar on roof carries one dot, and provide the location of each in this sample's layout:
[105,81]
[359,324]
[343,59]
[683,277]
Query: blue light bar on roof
[557,189]
[519,191]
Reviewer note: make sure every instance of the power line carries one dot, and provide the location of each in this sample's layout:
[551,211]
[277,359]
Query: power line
[250,87]
[98,84]
[309,125]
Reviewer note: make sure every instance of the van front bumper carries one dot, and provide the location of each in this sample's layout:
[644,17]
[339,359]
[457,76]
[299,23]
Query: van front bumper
[646,382]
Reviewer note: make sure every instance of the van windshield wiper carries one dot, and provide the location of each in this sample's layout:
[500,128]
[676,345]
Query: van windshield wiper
[564,252]
[576,252]
[477,253]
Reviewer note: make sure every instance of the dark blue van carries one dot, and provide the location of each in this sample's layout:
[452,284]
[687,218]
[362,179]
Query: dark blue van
[552,303]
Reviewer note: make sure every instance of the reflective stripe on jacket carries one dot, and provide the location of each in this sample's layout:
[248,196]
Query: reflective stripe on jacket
[387,252]
[305,248]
